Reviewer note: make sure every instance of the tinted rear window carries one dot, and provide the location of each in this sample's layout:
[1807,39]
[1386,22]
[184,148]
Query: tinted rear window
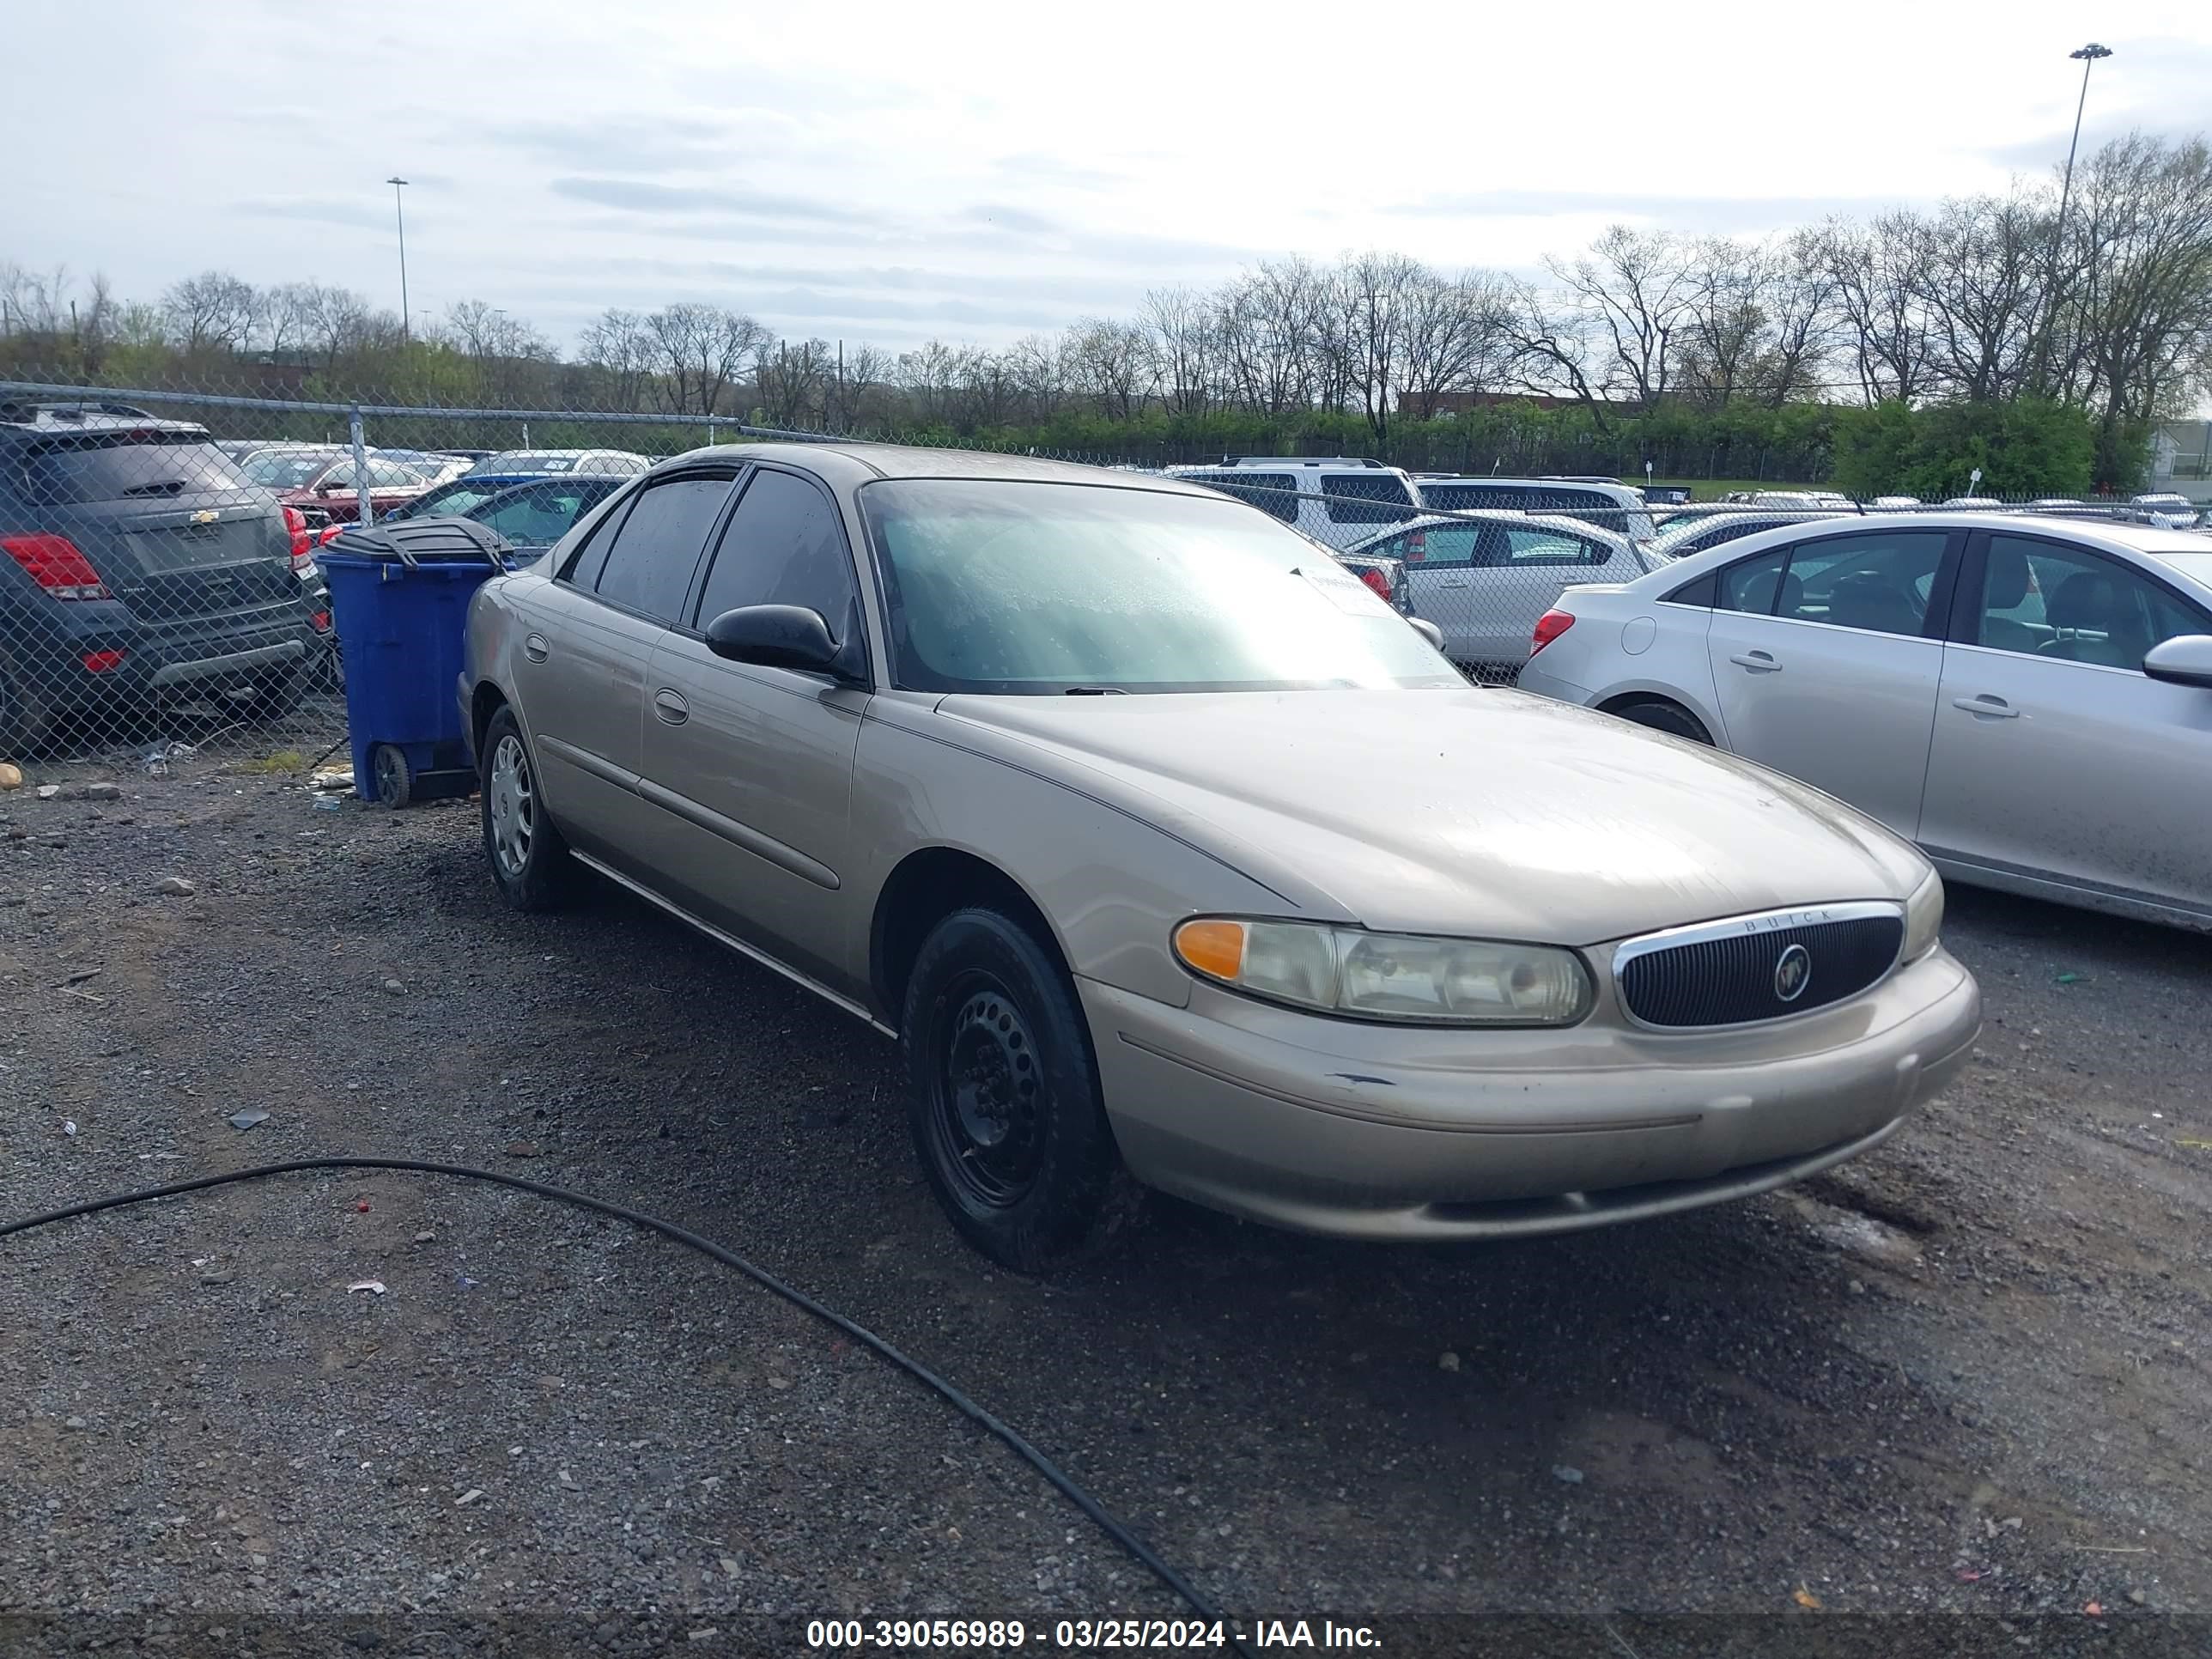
[1348,495]
[1275,494]
[127,469]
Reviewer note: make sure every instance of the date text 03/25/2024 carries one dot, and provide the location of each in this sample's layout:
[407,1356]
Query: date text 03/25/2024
[1083,1635]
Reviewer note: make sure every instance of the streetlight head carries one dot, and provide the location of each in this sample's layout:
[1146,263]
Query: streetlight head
[2092,51]
[397,179]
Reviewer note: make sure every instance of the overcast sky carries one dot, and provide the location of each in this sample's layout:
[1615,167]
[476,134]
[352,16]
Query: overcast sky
[889,173]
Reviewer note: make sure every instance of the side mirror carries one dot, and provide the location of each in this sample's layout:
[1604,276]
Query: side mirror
[1427,629]
[2186,660]
[776,636]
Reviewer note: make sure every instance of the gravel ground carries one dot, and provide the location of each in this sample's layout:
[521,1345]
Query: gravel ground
[1969,1373]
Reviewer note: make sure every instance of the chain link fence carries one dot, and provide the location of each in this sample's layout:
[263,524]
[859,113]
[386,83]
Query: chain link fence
[160,588]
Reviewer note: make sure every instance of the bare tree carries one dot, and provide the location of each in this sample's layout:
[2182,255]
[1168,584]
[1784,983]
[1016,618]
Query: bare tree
[1040,374]
[1634,288]
[1878,275]
[1184,344]
[287,317]
[788,381]
[2140,299]
[1549,348]
[1984,292]
[214,311]
[623,346]
[1268,327]
[856,388]
[1453,340]
[1113,366]
[702,350]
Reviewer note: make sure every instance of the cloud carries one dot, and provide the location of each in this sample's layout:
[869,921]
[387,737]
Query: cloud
[1051,170]
[322,212]
[1690,213]
[1013,218]
[642,196]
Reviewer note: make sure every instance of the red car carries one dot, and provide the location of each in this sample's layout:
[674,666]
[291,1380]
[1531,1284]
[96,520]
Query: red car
[318,480]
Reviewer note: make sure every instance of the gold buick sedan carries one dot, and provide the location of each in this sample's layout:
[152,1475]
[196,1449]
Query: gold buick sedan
[1172,856]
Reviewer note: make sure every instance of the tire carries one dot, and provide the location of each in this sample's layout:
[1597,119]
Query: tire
[25,719]
[530,862]
[1004,1104]
[1668,717]
[276,695]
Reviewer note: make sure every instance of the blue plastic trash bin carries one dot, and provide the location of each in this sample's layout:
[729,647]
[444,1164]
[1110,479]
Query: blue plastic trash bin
[400,605]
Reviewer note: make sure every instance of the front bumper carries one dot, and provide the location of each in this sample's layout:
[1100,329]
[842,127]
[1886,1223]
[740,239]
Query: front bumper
[1373,1131]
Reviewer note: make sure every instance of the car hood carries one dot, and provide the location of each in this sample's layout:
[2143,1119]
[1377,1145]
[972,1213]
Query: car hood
[1476,812]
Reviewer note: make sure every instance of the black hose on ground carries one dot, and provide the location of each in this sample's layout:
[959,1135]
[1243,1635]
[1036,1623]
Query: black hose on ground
[960,1402]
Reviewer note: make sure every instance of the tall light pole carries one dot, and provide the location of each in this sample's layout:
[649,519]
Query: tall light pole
[400,214]
[2088,55]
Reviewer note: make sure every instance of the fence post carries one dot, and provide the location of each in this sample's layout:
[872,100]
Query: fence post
[360,468]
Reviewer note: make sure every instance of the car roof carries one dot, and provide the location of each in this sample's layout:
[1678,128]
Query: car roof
[1565,523]
[2126,539]
[1595,486]
[850,466]
[56,418]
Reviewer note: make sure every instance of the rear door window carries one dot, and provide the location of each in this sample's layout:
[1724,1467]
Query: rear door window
[1275,494]
[74,472]
[1365,498]
[1528,549]
[649,564]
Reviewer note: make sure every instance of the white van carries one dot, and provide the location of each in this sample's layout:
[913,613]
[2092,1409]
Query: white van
[1618,507]
[1336,501]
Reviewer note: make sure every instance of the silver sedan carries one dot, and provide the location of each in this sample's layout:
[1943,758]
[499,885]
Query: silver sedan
[2030,699]
[1483,578]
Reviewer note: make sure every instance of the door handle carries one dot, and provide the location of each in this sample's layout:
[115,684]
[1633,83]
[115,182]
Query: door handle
[534,647]
[1758,662]
[671,709]
[1988,704]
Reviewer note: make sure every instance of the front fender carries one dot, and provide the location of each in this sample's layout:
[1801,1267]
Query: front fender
[1110,886]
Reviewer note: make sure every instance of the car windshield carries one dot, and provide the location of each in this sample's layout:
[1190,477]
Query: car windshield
[281,469]
[457,496]
[1036,589]
[532,460]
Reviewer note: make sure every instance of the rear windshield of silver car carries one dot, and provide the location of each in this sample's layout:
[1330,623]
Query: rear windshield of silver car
[1591,505]
[148,467]
[1020,588]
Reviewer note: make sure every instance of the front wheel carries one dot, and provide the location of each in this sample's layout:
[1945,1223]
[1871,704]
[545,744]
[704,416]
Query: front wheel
[530,862]
[1004,1104]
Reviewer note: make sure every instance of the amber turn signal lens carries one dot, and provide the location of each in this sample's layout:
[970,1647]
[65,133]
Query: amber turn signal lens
[1214,948]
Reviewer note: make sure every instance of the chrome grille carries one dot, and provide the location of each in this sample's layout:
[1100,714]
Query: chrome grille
[1757,967]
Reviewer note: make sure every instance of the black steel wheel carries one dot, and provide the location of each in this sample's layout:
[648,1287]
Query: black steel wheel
[1005,1106]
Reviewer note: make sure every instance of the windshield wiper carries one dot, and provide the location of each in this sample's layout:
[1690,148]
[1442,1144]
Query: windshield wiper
[1094,691]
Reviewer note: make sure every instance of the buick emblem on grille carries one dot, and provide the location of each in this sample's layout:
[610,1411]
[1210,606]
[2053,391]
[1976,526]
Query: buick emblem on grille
[1793,972]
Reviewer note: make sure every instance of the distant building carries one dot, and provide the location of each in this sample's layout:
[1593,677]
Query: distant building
[2180,451]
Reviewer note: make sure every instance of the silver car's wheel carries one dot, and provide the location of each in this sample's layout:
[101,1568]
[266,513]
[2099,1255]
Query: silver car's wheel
[529,859]
[511,800]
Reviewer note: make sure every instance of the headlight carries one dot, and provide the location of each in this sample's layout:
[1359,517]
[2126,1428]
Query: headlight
[1923,918]
[1388,976]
